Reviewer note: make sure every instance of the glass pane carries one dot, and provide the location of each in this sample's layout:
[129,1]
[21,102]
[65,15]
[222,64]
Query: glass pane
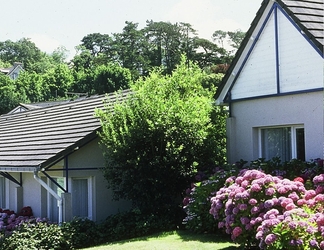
[276,142]
[2,192]
[300,144]
[80,197]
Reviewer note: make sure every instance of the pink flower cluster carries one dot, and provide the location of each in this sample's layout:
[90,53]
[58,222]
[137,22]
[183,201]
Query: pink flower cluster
[251,205]
[9,221]
[293,228]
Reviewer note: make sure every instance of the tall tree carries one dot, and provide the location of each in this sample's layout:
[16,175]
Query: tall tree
[170,41]
[158,138]
[33,85]
[10,95]
[236,38]
[207,53]
[24,51]
[219,36]
[97,43]
[129,45]
[110,78]
[59,81]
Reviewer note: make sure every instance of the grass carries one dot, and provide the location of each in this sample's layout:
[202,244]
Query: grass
[182,240]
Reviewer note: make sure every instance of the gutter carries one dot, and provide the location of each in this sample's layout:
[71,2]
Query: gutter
[52,192]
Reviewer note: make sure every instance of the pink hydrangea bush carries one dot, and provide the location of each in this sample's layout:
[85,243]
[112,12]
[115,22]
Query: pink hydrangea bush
[10,221]
[271,212]
[241,205]
[301,227]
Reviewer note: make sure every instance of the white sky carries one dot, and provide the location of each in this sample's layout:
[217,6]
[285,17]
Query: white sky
[53,23]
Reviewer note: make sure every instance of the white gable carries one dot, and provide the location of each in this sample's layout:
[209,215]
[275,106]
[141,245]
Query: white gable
[301,67]
[258,76]
[280,61]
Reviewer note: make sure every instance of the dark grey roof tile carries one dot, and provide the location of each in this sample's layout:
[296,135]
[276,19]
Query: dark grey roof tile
[40,137]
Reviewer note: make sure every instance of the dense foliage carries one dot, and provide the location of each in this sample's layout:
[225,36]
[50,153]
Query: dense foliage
[161,136]
[106,63]
[27,232]
[268,204]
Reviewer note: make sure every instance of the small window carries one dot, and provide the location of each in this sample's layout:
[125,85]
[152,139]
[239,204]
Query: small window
[283,142]
[2,193]
[300,144]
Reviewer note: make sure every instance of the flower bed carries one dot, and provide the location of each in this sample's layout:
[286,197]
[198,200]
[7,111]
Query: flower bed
[269,204]
[272,212]
[10,221]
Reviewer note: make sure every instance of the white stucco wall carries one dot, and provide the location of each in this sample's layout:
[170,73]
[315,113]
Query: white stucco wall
[29,194]
[247,116]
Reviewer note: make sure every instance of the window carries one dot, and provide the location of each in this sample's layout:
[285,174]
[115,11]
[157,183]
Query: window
[81,197]
[284,142]
[2,193]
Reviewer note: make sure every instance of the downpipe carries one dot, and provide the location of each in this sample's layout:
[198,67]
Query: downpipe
[52,192]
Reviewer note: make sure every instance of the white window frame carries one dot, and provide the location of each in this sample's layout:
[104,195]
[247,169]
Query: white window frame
[293,129]
[90,183]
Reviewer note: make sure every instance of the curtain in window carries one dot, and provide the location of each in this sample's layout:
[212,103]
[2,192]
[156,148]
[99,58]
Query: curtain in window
[80,197]
[276,142]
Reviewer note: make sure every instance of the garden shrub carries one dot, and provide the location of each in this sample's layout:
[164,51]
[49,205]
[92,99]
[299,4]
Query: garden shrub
[36,236]
[126,225]
[81,232]
[256,208]
[197,200]
[299,228]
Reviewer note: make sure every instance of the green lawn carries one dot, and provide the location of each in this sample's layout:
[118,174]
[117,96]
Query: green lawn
[182,240]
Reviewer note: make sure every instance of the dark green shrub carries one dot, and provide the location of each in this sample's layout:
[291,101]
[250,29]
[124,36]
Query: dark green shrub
[36,236]
[81,232]
[133,223]
[197,202]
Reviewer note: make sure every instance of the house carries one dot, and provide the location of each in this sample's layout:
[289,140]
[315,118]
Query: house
[274,86]
[13,71]
[50,160]
[30,106]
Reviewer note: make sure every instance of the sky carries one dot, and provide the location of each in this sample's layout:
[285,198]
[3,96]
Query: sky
[53,23]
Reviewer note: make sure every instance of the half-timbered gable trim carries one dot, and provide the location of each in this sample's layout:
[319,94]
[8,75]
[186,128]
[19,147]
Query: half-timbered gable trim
[285,37]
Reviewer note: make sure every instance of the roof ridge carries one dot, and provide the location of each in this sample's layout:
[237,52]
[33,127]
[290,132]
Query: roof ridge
[65,104]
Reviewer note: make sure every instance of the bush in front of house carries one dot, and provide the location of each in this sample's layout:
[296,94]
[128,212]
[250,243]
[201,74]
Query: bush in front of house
[36,233]
[36,236]
[81,232]
[196,203]
[271,212]
[133,223]
[301,227]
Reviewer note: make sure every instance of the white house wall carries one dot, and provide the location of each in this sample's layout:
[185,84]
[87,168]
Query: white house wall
[281,60]
[29,194]
[247,116]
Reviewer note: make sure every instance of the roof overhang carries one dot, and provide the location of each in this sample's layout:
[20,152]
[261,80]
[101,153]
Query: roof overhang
[27,169]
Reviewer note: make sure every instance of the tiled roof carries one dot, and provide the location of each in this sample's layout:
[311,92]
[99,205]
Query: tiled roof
[41,137]
[308,15]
